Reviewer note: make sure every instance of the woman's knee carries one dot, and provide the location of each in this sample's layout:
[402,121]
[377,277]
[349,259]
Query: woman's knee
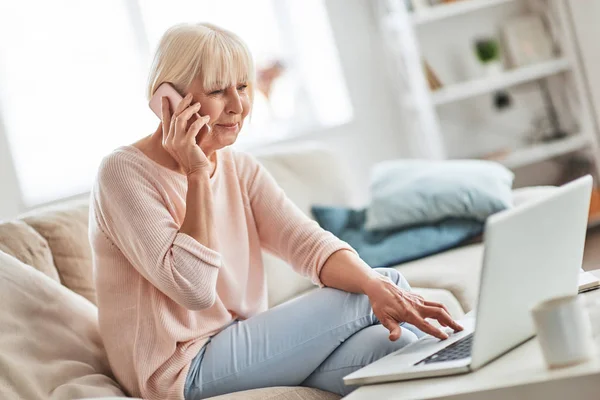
[361,349]
[373,343]
[395,276]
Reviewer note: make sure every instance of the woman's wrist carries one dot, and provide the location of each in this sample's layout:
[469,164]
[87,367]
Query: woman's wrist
[373,283]
[198,175]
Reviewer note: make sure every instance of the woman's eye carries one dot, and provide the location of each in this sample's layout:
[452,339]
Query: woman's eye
[217,91]
[242,87]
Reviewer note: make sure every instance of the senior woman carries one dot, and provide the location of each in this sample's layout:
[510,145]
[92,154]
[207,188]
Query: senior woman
[177,224]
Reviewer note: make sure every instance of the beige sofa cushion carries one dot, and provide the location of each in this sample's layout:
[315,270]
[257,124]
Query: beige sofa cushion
[309,173]
[272,393]
[50,347]
[279,393]
[66,231]
[21,241]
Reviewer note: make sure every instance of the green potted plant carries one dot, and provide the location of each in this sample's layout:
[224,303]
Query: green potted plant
[488,53]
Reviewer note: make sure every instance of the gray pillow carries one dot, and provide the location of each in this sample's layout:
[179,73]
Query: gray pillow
[414,192]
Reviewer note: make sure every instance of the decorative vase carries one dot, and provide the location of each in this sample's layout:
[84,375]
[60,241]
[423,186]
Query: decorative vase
[492,68]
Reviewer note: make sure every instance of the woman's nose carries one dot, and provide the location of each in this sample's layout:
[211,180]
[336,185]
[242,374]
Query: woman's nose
[234,103]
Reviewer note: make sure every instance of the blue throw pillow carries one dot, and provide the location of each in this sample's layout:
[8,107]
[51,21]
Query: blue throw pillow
[413,192]
[392,247]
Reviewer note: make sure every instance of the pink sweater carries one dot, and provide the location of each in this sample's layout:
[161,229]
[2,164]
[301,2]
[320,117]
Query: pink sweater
[161,294]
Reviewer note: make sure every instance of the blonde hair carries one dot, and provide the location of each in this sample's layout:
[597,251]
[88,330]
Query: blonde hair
[188,51]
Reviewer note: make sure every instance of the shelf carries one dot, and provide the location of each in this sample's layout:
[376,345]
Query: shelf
[545,151]
[461,91]
[443,11]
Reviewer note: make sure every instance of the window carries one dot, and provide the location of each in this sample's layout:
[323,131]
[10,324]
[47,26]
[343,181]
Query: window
[69,91]
[73,75]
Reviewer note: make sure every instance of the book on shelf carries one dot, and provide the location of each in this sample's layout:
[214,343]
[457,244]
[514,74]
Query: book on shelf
[432,78]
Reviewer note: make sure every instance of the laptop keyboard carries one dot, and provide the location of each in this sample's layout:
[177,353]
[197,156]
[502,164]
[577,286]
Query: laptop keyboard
[456,351]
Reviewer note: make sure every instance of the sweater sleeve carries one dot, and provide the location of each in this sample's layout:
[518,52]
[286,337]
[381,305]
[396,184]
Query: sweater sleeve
[130,211]
[283,228]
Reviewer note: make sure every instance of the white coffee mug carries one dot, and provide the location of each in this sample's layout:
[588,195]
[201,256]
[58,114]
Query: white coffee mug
[564,331]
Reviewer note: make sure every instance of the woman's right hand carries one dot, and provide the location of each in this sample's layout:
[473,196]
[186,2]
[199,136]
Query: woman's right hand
[393,305]
[179,140]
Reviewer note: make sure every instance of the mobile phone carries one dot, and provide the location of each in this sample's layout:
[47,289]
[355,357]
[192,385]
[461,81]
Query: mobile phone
[165,89]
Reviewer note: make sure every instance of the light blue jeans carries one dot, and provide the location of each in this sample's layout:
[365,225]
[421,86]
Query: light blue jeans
[314,340]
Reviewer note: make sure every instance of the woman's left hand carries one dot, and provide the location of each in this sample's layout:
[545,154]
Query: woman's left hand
[393,305]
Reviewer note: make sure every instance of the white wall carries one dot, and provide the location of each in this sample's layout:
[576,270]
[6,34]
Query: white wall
[374,135]
[10,194]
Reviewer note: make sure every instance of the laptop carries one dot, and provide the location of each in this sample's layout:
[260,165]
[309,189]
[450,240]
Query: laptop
[531,253]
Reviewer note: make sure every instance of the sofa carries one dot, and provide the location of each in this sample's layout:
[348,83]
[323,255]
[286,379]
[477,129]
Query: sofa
[50,347]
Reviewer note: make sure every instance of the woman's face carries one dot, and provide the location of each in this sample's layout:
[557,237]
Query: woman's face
[227,108]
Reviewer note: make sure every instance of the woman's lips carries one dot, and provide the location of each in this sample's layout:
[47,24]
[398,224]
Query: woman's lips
[228,126]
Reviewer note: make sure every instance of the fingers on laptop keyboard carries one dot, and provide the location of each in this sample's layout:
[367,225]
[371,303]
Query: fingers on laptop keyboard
[441,315]
[426,327]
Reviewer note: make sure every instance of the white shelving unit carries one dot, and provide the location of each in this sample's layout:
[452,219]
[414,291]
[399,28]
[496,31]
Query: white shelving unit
[476,87]
[452,9]
[542,152]
[399,30]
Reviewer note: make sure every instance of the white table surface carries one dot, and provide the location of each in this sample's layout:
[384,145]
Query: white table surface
[523,370]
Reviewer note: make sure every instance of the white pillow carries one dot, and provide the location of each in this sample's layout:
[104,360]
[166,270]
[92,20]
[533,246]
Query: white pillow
[50,347]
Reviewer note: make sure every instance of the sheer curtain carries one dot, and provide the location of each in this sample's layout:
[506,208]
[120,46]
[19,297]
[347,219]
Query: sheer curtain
[73,74]
[405,67]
